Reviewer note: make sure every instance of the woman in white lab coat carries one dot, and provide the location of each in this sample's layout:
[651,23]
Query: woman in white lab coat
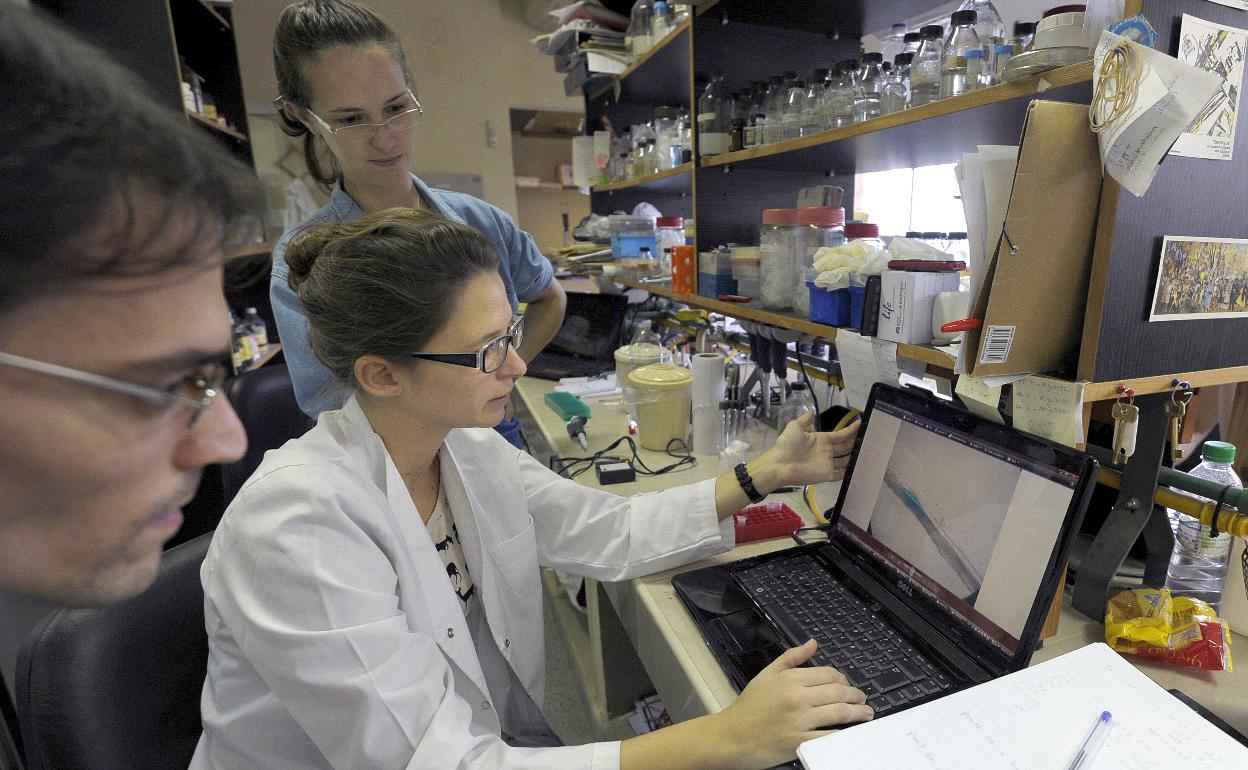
[372,595]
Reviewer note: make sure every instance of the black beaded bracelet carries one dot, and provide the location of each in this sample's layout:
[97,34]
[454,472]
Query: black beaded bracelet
[747,484]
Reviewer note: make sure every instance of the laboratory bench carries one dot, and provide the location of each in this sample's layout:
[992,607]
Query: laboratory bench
[636,636]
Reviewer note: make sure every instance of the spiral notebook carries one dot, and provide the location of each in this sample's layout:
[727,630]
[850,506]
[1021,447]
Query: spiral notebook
[1036,719]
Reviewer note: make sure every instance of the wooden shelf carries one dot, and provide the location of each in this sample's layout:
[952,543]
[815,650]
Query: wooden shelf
[1064,76]
[641,61]
[196,117]
[546,186]
[215,13]
[659,181]
[1161,383]
[748,311]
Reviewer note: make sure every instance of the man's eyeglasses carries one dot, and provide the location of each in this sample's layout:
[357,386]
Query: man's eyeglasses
[405,117]
[490,357]
[196,392]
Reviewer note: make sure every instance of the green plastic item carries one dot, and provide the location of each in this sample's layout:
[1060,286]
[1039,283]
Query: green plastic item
[566,405]
[1218,452]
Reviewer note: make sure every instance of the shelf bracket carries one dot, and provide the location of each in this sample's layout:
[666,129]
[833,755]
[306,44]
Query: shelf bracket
[1133,515]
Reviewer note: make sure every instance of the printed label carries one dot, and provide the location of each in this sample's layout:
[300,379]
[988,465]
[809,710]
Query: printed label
[997,344]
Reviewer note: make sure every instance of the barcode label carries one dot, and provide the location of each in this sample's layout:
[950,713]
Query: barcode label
[997,342]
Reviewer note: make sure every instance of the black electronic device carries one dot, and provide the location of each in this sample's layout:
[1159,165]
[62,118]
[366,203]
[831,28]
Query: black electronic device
[586,341]
[614,472]
[946,547]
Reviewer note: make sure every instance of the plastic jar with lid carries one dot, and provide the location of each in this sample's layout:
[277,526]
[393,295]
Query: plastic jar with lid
[864,231]
[669,232]
[819,226]
[776,258]
[662,394]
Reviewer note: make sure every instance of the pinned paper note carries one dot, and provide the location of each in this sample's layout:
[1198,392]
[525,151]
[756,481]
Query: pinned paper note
[1135,133]
[1218,49]
[864,362]
[1050,408]
[1240,4]
[979,397]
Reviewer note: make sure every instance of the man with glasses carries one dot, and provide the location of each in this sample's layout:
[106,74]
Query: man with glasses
[113,327]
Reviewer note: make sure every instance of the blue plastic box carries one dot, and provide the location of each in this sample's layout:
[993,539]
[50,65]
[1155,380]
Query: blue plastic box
[714,284]
[839,307]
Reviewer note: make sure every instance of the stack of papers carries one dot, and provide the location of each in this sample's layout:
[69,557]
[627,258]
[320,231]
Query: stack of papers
[588,44]
[1037,719]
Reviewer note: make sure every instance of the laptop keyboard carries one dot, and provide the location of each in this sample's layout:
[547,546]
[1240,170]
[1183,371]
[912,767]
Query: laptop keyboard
[807,602]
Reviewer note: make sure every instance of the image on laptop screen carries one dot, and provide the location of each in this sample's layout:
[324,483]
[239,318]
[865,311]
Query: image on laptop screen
[591,326]
[967,523]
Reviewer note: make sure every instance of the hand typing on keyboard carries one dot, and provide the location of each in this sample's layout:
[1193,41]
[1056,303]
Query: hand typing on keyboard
[786,704]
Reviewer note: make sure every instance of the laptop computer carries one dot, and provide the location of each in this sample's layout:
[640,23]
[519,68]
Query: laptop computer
[944,552]
[586,341]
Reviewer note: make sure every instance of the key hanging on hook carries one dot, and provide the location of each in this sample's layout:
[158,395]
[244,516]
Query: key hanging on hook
[1176,410]
[1126,422]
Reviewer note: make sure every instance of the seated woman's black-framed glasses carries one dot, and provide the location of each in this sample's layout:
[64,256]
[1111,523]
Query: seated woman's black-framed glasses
[490,357]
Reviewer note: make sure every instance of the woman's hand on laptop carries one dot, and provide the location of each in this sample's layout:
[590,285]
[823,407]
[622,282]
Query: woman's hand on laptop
[802,455]
[786,705]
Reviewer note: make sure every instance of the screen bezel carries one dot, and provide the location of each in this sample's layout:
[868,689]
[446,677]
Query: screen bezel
[1025,444]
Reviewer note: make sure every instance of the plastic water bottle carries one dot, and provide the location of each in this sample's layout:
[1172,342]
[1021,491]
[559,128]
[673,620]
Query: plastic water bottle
[797,404]
[895,43]
[1199,562]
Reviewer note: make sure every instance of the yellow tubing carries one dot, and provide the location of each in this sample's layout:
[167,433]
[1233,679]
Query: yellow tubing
[1230,520]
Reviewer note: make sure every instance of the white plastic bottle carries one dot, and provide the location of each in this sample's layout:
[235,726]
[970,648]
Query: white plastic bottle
[925,70]
[797,404]
[1199,563]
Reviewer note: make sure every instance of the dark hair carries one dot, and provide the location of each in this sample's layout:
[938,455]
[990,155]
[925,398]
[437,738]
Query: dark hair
[94,170]
[382,284]
[307,28]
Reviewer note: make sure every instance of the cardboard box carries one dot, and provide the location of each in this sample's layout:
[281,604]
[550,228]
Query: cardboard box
[1035,291]
[906,300]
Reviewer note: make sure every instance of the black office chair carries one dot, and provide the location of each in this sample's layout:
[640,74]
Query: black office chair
[265,401]
[119,687]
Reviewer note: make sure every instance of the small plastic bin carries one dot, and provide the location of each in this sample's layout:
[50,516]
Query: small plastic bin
[714,284]
[718,262]
[763,522]
[836,307]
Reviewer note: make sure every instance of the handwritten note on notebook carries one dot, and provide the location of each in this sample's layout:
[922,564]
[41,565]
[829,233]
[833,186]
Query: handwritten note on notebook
[864,362]
[1035,719]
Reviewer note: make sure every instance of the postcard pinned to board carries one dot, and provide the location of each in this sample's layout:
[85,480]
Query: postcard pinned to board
[1220,50]
[1201,278]
[1240,4]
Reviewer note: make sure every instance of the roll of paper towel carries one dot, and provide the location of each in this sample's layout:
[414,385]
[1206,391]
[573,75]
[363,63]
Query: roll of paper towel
[708,390]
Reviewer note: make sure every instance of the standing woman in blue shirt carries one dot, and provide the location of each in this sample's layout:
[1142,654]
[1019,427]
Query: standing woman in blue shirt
[344,82]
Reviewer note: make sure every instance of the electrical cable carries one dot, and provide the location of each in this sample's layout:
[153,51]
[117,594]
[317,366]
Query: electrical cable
[810,386]
[571,467]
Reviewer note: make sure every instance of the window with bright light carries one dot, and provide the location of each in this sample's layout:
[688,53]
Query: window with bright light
[922,199]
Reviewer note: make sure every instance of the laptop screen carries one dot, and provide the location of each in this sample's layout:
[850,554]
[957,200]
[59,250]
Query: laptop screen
[956,516]
[591,326]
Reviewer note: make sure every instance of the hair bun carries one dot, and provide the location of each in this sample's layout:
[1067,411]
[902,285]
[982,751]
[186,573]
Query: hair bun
[304,248]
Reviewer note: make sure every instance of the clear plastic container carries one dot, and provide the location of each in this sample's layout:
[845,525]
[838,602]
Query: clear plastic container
[867,100]
[896,96]
[812,112]
[976,76]
[962,39]
[894,43]
[846,93]
[747,271]
[1005,52]
[818,226]
[1024,33]
[662,20]
[638,38]
[798,403]
[1199,563]
[925,71]
[775,107]
[911,42]
[714,128]
[989,28]
[777,245]
[630,234]
[668,233]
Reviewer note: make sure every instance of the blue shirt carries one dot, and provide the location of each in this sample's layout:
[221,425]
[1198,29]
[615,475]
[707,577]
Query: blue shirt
[525,273]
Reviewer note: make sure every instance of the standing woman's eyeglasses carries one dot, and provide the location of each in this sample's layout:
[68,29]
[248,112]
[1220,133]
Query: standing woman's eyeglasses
[405,114]
[490,357]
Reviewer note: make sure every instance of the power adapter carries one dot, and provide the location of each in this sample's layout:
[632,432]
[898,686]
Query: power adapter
[614,472]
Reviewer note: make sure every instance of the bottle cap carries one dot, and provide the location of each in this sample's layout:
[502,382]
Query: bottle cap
[932,31]
[912,37]
[1024,28]
[873,58]
[862,230]
[820,73]
[1005,48]
[1218,452]
[779,216]
[964,18]
[821,216]
[931,235]
[799,385]
[902,59]
[974,53]
[899,25]
[790,74]
[669,222]
[957,236]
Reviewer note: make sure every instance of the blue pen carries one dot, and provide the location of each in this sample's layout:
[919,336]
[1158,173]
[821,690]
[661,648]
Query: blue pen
[1092,744]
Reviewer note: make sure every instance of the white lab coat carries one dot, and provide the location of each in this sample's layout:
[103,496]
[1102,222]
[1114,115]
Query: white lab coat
[335,636]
